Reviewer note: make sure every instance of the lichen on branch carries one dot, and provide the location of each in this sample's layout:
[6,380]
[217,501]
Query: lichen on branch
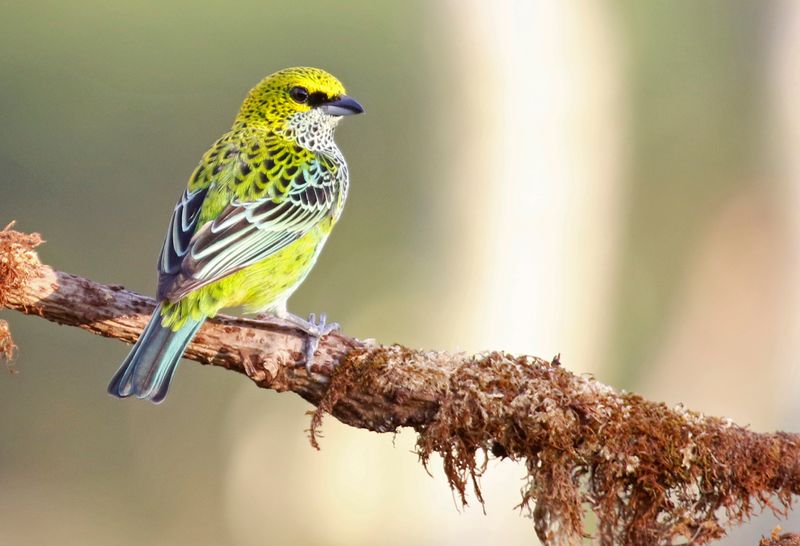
[650,474]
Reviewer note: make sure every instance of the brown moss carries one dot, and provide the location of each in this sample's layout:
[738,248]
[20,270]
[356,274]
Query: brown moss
[16,267]
[777,538]
[342,380]
[365,369]
[15,259]
[649,473]
[7,347]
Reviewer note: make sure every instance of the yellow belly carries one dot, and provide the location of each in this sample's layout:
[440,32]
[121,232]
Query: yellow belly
[265,285]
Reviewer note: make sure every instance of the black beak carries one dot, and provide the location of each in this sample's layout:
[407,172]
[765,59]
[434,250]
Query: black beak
[342,106]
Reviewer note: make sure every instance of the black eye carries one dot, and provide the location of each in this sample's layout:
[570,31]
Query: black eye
[299,94]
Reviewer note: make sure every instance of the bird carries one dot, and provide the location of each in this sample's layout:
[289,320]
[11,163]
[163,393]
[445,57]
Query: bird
[250,224]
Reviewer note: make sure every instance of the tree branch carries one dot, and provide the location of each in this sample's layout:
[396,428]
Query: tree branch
[651,474]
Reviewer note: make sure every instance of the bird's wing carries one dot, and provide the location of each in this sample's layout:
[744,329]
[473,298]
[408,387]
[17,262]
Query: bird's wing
[182,226]
[244,232]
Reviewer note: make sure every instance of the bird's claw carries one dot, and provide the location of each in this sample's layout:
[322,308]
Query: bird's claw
[314,330]
[323,327]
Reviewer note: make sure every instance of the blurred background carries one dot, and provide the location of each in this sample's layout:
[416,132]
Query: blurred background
[618,182]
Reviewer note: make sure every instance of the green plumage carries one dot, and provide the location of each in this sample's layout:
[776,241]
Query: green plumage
[248,166]
[253,219]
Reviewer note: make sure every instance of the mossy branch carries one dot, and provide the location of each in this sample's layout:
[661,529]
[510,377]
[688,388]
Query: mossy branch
[651,474]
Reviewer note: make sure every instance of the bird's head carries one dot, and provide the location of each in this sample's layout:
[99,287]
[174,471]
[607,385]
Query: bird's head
[303,104]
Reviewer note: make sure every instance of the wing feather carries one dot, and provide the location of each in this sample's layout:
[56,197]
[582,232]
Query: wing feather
[244,232]
[181,229]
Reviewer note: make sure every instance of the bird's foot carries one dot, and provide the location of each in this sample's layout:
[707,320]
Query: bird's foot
[314,330]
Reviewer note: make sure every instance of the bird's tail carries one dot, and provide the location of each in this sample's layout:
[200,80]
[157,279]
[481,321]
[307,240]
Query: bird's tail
[148,369]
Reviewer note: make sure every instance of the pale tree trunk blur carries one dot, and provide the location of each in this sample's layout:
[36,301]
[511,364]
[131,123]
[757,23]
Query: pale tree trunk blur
[537,174]
[533,210]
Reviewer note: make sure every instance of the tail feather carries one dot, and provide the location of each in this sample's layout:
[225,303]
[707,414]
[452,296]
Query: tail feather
[148,368]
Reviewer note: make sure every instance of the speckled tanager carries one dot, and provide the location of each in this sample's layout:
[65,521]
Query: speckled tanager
[251,223]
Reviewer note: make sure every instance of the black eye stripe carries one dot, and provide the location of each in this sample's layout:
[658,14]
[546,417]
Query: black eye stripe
[317,98]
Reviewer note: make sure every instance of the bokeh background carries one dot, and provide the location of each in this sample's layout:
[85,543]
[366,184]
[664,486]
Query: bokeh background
[618,182]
